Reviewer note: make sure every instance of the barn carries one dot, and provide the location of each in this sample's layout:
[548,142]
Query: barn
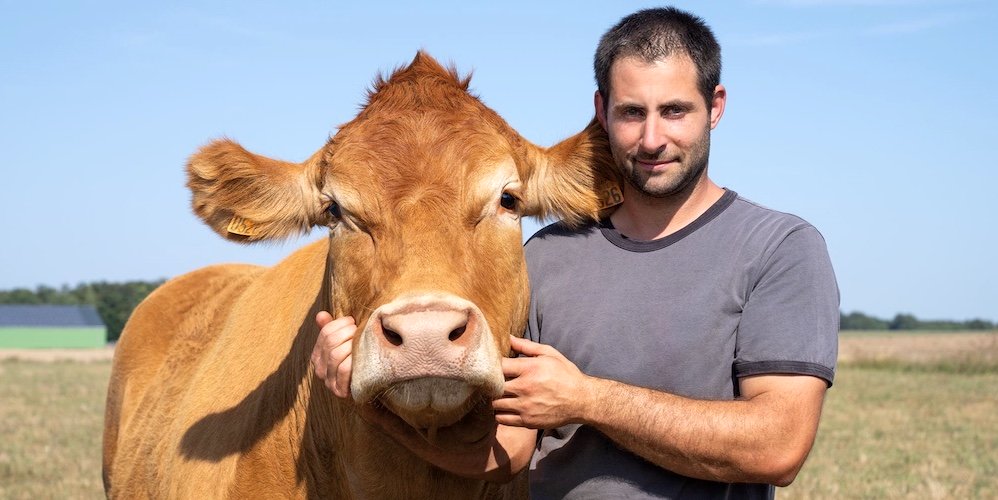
[50,326]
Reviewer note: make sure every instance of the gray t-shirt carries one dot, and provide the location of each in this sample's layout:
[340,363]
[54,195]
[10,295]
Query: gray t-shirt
[742,290]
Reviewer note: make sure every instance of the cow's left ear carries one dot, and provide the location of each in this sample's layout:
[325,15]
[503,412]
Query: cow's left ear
[575,180]
[247,197]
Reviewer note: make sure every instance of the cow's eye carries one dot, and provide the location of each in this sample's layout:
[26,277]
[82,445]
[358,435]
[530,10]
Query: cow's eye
[334,210]
[508,201]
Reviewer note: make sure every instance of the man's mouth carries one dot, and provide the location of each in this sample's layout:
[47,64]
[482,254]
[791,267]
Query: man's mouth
[654,164]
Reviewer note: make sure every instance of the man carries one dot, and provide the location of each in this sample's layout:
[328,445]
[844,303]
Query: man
[680,348]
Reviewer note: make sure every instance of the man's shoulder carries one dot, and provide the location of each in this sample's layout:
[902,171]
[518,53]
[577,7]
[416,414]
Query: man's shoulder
[557,242]
[744,211]
[765,232]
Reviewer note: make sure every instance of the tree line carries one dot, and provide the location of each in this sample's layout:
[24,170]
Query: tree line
[115,301]
[859,321]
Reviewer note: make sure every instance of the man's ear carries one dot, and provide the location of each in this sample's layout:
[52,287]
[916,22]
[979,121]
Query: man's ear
[246,197]
[717,103]
[600,106]
[575,180]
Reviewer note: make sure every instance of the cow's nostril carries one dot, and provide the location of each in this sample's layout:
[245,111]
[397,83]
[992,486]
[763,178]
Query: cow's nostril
[456,333]
[393,338]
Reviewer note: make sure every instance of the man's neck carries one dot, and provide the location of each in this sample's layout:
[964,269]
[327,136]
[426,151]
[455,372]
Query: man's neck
[644,218]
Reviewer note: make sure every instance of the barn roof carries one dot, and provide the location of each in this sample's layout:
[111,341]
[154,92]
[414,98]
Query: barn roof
[48,315]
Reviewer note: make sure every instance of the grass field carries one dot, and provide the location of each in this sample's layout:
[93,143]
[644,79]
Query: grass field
[910,416]
[51,419]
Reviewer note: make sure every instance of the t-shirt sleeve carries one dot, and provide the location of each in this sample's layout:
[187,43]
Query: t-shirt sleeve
[532,332]
[790,321]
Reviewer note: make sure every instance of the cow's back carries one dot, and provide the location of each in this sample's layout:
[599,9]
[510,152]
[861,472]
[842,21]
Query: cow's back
[161,344]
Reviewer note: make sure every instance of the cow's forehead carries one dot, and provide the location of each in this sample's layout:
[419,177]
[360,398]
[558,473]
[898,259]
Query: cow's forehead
[413,143]
[423,117]
[422,131]
[396,161]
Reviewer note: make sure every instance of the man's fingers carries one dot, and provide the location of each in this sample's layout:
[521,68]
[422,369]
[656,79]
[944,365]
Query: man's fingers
[331,355]
[335,333]
[341,384]
[507,411]
[514,367]
[332,324]
[530,348]
[510,419]
[504,404]
[322,318]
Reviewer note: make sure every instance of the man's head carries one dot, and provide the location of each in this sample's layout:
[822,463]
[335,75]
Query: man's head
[658,100]
[655,34]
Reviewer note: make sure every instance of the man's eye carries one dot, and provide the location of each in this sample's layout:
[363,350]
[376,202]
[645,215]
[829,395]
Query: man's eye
[632,112]
[673,112]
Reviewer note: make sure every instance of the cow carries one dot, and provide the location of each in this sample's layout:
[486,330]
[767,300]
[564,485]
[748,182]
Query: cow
[212,394]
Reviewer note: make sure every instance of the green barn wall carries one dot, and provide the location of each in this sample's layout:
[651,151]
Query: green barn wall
[24,337]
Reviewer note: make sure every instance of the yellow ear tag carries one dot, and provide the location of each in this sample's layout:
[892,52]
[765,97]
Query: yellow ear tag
[241,227]
[611,196]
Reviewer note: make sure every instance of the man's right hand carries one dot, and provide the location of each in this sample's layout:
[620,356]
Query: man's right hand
[331,356]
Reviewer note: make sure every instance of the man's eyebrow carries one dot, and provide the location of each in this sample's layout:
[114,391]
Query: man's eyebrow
[627,104]
[678,103]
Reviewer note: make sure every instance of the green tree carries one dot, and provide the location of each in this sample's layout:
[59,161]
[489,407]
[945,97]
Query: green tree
[904,322]
[979,324]
[18,296]
[859,321]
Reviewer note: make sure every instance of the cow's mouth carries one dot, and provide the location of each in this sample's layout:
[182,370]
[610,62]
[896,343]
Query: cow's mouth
[441,410]
[474,428]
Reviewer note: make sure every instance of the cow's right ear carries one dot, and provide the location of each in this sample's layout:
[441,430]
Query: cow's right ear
[247,197]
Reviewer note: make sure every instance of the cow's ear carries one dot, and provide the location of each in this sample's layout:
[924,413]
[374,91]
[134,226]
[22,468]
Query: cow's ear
[247,197]
[575,180]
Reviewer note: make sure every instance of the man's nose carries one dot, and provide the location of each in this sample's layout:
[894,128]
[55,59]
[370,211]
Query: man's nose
[652,138]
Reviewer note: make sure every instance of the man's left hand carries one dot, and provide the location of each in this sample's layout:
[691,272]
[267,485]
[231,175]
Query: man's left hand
[543,389]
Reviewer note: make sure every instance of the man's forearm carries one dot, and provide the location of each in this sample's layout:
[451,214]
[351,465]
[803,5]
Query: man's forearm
[764,438]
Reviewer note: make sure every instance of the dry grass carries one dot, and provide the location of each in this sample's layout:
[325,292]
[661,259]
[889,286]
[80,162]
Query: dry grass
[51,420]
[963,351]
[910,416]
[907,418]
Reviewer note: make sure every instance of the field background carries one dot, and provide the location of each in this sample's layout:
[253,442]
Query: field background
[911,415]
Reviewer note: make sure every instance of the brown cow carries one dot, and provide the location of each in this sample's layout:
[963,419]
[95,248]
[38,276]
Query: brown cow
[212,394]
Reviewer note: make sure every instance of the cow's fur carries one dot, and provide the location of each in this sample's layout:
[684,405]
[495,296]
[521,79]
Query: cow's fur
[212,394]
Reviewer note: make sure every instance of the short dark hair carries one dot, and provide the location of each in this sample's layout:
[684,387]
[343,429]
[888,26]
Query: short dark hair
[655,34]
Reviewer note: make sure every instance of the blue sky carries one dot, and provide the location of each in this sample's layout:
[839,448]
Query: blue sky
[872,119]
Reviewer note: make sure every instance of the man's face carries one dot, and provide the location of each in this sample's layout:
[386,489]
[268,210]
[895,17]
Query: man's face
[658,123]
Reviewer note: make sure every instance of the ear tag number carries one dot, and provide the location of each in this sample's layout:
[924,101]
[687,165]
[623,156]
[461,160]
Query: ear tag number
[611,196]
[241,227]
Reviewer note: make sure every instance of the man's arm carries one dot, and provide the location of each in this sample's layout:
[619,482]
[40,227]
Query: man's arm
[507,454]
[762,437]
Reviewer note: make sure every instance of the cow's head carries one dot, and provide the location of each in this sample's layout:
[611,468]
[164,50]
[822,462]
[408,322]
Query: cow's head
[422,193]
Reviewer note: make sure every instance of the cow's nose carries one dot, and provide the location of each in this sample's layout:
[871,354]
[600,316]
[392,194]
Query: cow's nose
[426,329]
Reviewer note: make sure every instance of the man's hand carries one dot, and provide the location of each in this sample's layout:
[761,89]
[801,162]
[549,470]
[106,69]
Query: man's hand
[331,355]
[332,359]
[543,389]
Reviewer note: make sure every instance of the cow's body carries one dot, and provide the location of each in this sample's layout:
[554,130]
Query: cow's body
[212,394]
[267,425]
